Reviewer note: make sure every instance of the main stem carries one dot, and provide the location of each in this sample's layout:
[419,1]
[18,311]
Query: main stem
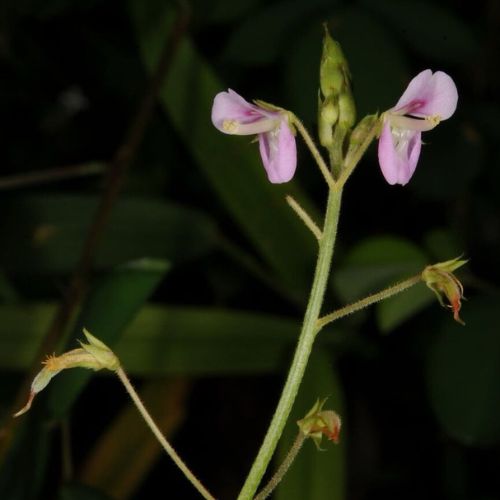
[160,437]
[303,349]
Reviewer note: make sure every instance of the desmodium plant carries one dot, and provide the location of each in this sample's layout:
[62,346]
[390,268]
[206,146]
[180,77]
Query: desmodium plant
[428,99]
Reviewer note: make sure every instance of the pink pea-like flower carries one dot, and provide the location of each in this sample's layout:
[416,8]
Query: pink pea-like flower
[428,99]
[231,114]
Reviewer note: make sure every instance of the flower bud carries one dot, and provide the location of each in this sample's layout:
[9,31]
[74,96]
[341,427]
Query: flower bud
[441,280]
[337,112]
[319,422]
[334,73]
[347,111]
[360,133]
[328,116]
[94,356]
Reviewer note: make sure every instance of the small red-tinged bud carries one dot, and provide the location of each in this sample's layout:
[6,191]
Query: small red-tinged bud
[318,423]
[441,280]
[95,355]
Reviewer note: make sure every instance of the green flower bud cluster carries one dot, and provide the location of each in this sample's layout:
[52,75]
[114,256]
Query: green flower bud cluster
[337,112]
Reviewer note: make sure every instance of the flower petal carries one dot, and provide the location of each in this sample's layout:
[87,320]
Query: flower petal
[398,153]
[387,156]
[429,94]
[231,106]
[279,153]
[414,146]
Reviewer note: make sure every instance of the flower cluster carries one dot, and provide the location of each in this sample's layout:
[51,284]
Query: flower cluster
[429,99]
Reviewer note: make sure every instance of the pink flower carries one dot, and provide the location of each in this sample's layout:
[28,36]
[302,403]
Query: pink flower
[428,99]
[231,114]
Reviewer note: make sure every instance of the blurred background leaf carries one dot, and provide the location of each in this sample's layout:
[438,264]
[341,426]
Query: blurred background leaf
[48,232]
[464,375]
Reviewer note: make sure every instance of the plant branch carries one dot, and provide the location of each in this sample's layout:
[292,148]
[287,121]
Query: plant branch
[348,168]
[51,175]
[314,151]
[160,437]
[283,468]
[304,217]
[367,301]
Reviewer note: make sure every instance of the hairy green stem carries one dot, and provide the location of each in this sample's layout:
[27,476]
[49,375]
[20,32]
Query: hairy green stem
[367,301]
[283,468]
[303,350]
[314,151]
[160,437]
[349,167]
[304,217]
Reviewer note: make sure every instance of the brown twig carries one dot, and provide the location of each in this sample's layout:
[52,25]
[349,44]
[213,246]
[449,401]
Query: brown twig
[117,170]
[51,175]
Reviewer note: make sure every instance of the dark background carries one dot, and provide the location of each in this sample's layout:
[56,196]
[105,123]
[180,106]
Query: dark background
[227,267]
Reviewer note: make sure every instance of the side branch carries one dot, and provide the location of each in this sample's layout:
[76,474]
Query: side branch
[304,217]
[367,301]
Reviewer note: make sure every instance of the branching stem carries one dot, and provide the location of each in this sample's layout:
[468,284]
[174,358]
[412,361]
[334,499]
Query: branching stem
[314,151]
[283,468]
[304,217]
[160,437]
[367,301]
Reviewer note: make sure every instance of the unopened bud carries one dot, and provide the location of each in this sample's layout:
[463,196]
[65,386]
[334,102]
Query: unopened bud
[318,423]
[334,74]
[347,111]
[94,356]
[337,112]
[360,133]
[328,116]
[441,280]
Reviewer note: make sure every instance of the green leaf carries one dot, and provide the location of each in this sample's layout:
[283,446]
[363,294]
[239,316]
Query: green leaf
[230,164]
[276,24]
[302,72]
[221,11]
[47,233]
[379,262]
[76,491]
[442,243]
[314,474]
[446,172]
[165,340]
[377,64]
[445,37]
[24,469]
[463,374]
[394,311]
[109,308]
[375,263]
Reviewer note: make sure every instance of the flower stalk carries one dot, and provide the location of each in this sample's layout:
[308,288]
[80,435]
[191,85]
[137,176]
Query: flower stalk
[304,217]
[303,350]
[314,151]
[283,468]
[368,301]
[160,437]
